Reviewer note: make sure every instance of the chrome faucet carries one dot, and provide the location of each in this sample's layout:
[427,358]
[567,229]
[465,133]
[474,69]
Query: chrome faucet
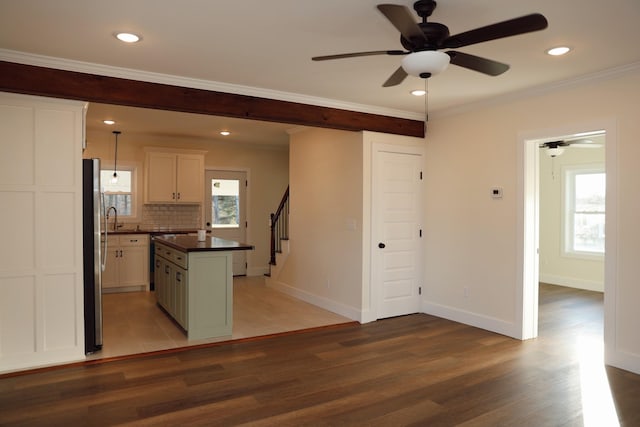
[115,222]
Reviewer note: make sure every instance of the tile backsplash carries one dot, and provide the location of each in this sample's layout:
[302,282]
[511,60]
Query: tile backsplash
[171,217]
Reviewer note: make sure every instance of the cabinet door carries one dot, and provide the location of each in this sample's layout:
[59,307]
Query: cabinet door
[159,280]
[190,178]
[160,182]
[134,266]
[110,273]
[181,289]
[170,288]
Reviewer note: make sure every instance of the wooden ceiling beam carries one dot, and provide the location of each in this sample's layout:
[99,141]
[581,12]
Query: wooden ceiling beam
[43,81]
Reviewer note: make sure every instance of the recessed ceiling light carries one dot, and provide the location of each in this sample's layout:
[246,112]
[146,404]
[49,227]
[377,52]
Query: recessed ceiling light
[225,133]
[558,51]
[418,92]
[109,122]
[128,37]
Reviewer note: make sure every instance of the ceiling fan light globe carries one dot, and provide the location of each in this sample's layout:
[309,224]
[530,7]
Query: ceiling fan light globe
[554,151]
[428,62]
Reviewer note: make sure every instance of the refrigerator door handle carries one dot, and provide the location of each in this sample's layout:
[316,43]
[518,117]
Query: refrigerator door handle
[103,263]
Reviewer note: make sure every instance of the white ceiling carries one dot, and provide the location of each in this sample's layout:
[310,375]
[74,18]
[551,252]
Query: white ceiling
[267,45]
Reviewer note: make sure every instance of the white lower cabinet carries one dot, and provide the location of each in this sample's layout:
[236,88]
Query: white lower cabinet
[127,263]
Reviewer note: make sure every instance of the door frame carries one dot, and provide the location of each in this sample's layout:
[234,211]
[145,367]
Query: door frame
[528,224]
[412,147]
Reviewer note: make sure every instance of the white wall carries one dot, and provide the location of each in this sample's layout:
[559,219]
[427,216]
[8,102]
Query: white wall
[325,263]
[556,267]
[267,170]
[472,239]
[41,280]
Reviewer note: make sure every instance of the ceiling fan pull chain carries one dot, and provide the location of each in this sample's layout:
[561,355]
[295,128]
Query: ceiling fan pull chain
[426,105]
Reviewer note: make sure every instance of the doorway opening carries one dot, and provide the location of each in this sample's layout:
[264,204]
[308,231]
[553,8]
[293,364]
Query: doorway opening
[572,212]
[529,153]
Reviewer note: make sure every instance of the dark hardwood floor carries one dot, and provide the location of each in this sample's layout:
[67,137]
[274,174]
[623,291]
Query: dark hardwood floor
[412,370]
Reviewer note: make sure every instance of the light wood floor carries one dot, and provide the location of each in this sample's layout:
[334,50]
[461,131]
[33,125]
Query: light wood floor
[133,323]
[416,370]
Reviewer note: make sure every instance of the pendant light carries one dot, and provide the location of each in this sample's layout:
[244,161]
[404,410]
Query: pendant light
[114,179]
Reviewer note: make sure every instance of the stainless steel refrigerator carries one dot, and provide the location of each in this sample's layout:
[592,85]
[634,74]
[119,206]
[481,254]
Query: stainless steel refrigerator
[93,240]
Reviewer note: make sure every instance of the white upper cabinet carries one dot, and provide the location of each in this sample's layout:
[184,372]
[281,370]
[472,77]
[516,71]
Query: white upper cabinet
[172,177]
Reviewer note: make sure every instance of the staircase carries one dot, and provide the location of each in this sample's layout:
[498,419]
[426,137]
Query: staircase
[279,235]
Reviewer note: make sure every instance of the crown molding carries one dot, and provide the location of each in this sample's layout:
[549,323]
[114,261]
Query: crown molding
[151,77]
[600,76]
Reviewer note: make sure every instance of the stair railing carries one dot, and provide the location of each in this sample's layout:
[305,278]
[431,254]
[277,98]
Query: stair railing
[279,226]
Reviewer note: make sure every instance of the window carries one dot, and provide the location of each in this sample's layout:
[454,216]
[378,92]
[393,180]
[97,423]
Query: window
[225,203]
[585,211]
[120,194]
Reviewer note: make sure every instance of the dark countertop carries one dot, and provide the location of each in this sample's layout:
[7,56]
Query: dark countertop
[187,243]
[153,232]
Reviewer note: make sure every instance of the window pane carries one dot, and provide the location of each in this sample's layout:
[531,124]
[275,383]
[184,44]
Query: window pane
[225,203]
[588,232]
[118,194]
[589,212]
[590,192]
[122,186]
[122,203]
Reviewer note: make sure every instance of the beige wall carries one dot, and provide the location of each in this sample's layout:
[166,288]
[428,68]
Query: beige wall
[556,267]
[267,167]
[472,239]
[325,264]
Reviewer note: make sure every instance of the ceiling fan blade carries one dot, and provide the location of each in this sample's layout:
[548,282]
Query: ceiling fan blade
[396,78]
[356,54]
[477,63]
[402,18]
[512,27]
[583,143]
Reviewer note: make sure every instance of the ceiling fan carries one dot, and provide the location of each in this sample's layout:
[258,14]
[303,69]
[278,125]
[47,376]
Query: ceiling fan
[555,148]
[423,41]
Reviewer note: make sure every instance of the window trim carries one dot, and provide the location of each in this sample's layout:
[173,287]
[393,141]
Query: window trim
[569,173]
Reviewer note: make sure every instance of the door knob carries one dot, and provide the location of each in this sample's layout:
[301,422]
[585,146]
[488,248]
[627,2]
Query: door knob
[381,245]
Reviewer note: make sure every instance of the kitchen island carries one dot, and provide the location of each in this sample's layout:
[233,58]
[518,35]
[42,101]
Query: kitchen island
[194,282]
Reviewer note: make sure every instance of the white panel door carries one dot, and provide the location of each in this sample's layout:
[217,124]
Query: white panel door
[225,210]
[396,236]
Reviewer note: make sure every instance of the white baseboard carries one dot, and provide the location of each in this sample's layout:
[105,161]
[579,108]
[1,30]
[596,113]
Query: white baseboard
[483,322]
[572,282]
[322,302]
[622,359]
